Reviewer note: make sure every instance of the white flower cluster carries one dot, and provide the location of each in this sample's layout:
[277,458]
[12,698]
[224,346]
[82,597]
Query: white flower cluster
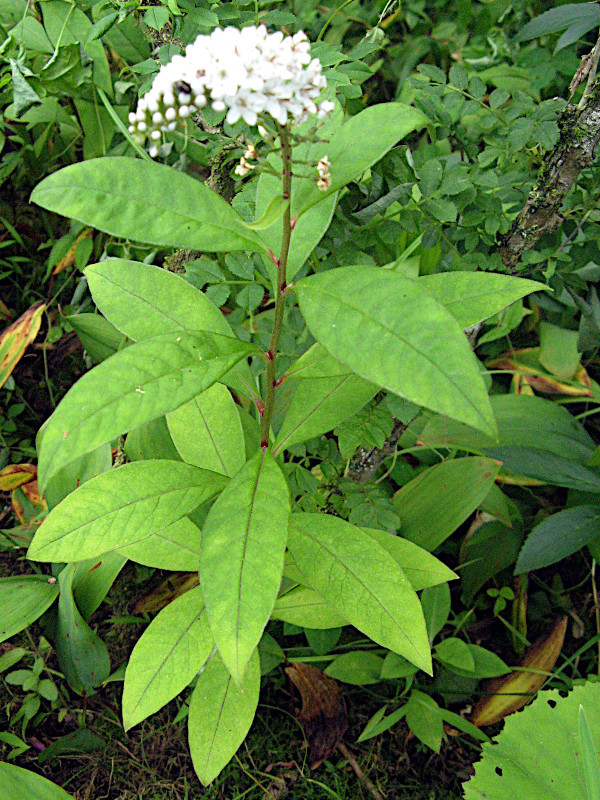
[249,72]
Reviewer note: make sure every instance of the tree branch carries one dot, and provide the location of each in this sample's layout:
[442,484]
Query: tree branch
[579,137]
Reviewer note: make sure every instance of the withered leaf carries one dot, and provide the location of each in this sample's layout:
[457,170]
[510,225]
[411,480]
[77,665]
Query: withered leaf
[505,695]
[15,475]
[323,714]
[14,340]
[175,585]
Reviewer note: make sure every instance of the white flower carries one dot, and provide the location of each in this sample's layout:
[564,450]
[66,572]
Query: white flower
[248,72]
[323,167]
[323,184]
[244,167]
[251,152]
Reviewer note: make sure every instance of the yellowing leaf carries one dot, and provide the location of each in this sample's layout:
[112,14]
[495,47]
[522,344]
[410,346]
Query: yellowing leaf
[15,475]
[504,696]
[69,258]
[14,340]
[529,371]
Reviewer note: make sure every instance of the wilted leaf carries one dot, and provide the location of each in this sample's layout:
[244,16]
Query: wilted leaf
[504,696]
[174,586]
[69,258]
[15,475]
[14,340]
[528,369]
[323,713]
[27,503]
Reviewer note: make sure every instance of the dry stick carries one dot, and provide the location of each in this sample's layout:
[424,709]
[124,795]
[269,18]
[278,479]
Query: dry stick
[579,136]
[358,771]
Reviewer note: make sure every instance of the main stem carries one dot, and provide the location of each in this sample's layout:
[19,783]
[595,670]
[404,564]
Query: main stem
[286,157]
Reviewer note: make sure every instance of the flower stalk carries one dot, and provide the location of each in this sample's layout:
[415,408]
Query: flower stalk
[286,157]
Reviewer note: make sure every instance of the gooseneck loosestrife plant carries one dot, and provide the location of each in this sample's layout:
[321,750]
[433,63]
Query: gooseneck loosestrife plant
[219,418]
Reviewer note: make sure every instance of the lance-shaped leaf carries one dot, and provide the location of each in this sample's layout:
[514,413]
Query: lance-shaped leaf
[558,536]
[167,656]
[176,547]
[19,782]
[319,404]
[207,431]
[122,507]
[360,580]
[359,143]
[241,564]
[474,296]
[14,340]
[388,330]
[142,301]
[146,202]
[305,607]
[220,715]
[136,385]
[23,599]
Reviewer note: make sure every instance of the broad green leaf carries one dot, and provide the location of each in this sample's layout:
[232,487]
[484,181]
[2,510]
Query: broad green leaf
[548,467]
[538,753]
[559,350]
[93,579]
[241,564]
[220,715]
[16,782]
[439,499]
[77,473]
[523,421]
[146,202]
[360,142]
[424,718]
[151,440]
[388,330]
[489,549]
[487,664]
[166,657]
[308,230]
[420,567]
[23,599]
[306,608]
[136,385]
[207,431]
[176,547]
[395,666]
[360,580]
[474,296]
[436,608]
[82,655]
[100,339]
[122,507]
[358,668]
[142,301]
[559,536]
[273,212]
[556,19]
[316,362]
[319,404]
[454,652]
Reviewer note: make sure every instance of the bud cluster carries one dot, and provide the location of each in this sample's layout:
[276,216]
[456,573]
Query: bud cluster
[249,72]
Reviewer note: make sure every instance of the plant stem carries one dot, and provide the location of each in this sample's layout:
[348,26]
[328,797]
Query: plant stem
[286,157]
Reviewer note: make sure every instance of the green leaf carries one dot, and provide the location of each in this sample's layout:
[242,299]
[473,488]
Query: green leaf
[93,579]
[439,499]
[559,536]
[156,18]
[23,599]
[272,213]
[220,716]
[207,431]
[559,18]
[420,354]
[306,608]
[82,655]
[151,440]
[122,507]
[136,385]
[545,466]
[166,657]
[309,228]
[176,547]
[17,782]
[146,202]
[142,301]
[241,564]
[489,549]
[487,664]
[420,567]
[358,668]
[319,404]
[424,718]
[538,754]
[23,95]
[360,142]
[360,580]
[395,666]
[436,608]
[474,296]
[99,338]
[453,652]
[77,473]
[102,26]
[589,758]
